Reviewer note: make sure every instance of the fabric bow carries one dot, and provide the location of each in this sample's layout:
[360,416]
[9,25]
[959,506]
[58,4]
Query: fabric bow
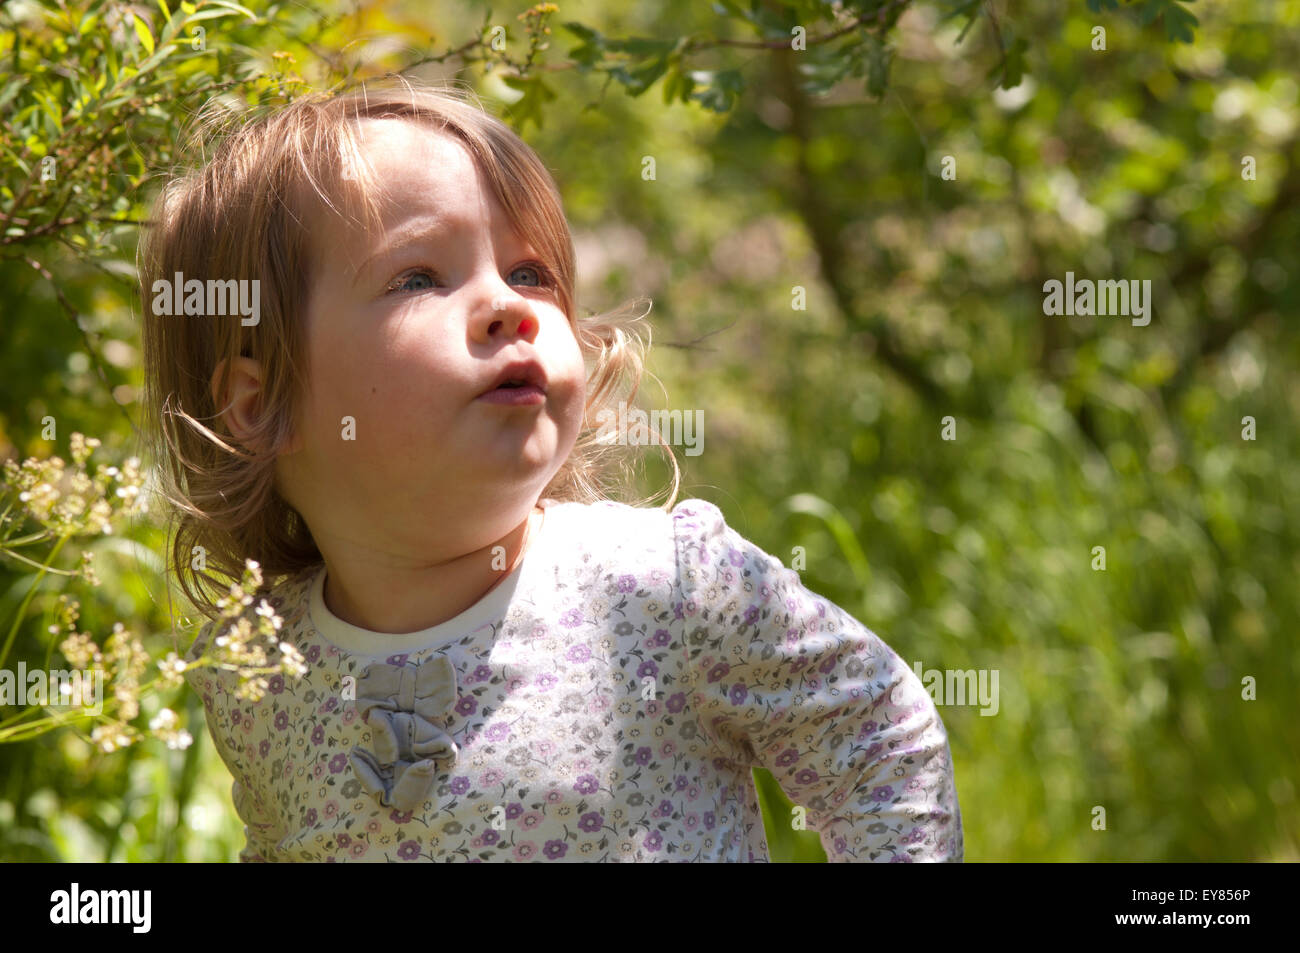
[400,704]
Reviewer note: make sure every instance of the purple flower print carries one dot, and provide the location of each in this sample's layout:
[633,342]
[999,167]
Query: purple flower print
[719,672]
[399,659]
[647,668]
[459,785]
[546,681]
[578,653]
[654,841]
[399,817]
[735,558]
[497,732]
[313,654]
[627,583]
[787,757]
[409,850]
[709,820]
[466,706]
[643,755]
[482,673]
[739,693]
[882,793]
[665,808]
[677,702]
[751,615]
[264,748]
[310,819]
[662,637]
[587,784]
[490,837]
[338,763]
[870,728]
[841,845]
[680,782]
[513,810]
[807,776]
[874,750]
[318,735]
[345,840]
[828,666]
[555,849]
[591,822]
[276,684]
[571,619]
[902,858]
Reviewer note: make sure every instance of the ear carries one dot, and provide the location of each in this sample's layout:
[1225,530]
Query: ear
[240,404]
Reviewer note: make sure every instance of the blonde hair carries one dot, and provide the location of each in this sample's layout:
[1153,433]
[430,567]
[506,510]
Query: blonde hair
[240,214]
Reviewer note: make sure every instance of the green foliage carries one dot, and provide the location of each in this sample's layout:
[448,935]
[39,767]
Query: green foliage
[817,168]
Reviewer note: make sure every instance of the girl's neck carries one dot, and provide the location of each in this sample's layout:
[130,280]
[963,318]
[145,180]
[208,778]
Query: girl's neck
[402,600]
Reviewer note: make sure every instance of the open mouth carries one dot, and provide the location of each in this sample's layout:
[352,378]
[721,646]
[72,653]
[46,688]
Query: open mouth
[517,380]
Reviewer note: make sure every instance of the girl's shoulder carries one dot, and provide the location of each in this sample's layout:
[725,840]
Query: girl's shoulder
[685,514]
[286,600]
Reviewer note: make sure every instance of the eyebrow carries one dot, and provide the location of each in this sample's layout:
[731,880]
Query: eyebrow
[413,232]
[419,231]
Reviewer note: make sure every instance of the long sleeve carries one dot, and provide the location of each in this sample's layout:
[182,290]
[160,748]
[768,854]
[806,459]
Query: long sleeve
[785,680]
[220,706]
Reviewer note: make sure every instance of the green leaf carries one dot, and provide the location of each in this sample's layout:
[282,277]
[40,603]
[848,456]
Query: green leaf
[839,526]
[678,86]
[228,5]
[536,95]
[1180,24]
[11,90]
[1013,66]
[878,59]
[167,14]
[142,31]
[637,81]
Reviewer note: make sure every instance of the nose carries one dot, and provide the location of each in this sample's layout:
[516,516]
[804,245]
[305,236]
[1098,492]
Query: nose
[505,313]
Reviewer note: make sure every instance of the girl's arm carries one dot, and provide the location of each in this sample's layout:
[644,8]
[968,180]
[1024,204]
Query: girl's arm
[788,681]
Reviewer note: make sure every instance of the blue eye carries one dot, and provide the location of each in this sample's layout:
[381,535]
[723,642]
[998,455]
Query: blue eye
[540,272]
[422,278]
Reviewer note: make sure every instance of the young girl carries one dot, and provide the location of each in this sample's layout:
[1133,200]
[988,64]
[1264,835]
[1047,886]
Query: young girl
[501,664]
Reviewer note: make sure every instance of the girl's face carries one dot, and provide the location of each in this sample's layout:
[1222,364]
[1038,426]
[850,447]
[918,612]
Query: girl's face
[406,331]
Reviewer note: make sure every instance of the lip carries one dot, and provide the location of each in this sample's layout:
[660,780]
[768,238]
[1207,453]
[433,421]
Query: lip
[530,373]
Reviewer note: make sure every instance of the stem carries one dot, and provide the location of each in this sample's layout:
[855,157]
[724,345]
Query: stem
[27,600]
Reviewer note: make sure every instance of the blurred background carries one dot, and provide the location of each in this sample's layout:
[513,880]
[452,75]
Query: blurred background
[845,234]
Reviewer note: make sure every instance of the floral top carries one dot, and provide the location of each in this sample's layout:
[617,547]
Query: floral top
[605,702]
